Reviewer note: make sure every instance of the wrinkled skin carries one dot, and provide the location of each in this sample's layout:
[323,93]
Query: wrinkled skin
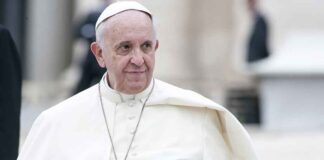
[127,51]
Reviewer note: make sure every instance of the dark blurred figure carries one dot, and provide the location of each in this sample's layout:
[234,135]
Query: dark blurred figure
[10,96]
[258,42]
[91,73]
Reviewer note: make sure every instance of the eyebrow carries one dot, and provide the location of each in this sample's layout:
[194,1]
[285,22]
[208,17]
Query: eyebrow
[121,44]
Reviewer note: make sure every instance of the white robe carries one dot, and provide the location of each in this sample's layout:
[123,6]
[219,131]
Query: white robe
[176,124]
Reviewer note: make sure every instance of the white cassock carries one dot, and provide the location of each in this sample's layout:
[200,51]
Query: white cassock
[176,124]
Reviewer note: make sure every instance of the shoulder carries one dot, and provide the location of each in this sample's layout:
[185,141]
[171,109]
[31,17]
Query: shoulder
[77,104]
[173,95]
[4,35]
[162,87]
[2,28]
[4,31]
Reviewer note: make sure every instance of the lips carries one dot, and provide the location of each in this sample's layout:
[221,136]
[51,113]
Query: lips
[135,72]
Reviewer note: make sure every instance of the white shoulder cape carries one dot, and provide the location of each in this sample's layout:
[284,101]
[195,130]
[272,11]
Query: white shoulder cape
[79,109]
[234,134]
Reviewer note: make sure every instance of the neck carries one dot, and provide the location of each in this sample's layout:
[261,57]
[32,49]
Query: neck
[121,96]
[114,86]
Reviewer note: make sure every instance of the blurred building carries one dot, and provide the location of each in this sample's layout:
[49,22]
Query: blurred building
[292,78]
[202,43]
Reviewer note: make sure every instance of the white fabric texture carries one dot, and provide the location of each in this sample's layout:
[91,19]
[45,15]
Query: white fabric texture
[176,124]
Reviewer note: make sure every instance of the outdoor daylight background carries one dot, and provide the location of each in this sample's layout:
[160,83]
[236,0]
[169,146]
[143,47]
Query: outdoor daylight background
[203,47]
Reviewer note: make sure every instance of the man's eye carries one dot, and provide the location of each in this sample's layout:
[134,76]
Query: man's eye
[125,47]
[147,47]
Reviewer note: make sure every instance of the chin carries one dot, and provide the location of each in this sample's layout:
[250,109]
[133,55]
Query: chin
[136,87]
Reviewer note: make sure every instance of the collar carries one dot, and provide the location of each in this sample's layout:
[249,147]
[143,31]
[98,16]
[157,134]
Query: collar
[117,97]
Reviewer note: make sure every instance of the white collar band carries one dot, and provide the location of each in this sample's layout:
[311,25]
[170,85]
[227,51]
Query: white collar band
[118,97]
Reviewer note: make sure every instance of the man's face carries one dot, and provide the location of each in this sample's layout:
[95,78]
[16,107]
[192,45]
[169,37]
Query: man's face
[128,51]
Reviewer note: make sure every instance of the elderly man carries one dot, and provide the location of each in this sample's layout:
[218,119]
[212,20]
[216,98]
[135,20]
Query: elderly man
[130,114]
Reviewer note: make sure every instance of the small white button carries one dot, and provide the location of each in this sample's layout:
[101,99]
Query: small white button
[134,146]
[131,104]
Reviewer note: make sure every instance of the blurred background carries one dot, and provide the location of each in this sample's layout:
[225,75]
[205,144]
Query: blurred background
[263,60]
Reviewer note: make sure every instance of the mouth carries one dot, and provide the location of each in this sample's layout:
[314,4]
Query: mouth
[136,72]
[135,75]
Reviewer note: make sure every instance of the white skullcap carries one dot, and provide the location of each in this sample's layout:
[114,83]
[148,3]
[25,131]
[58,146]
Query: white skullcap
[118,7]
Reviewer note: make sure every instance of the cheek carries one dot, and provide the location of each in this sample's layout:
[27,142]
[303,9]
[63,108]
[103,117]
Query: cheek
[122,63]
[150,60]
[109,64]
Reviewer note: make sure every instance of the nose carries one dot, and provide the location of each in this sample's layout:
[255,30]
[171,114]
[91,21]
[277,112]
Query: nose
[137,58]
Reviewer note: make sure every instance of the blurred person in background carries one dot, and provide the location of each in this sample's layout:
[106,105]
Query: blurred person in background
[10,96]
[131,115]
[258,41]
[91,72]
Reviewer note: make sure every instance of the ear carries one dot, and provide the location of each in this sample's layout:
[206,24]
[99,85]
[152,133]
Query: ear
[97,52]
[156,45]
